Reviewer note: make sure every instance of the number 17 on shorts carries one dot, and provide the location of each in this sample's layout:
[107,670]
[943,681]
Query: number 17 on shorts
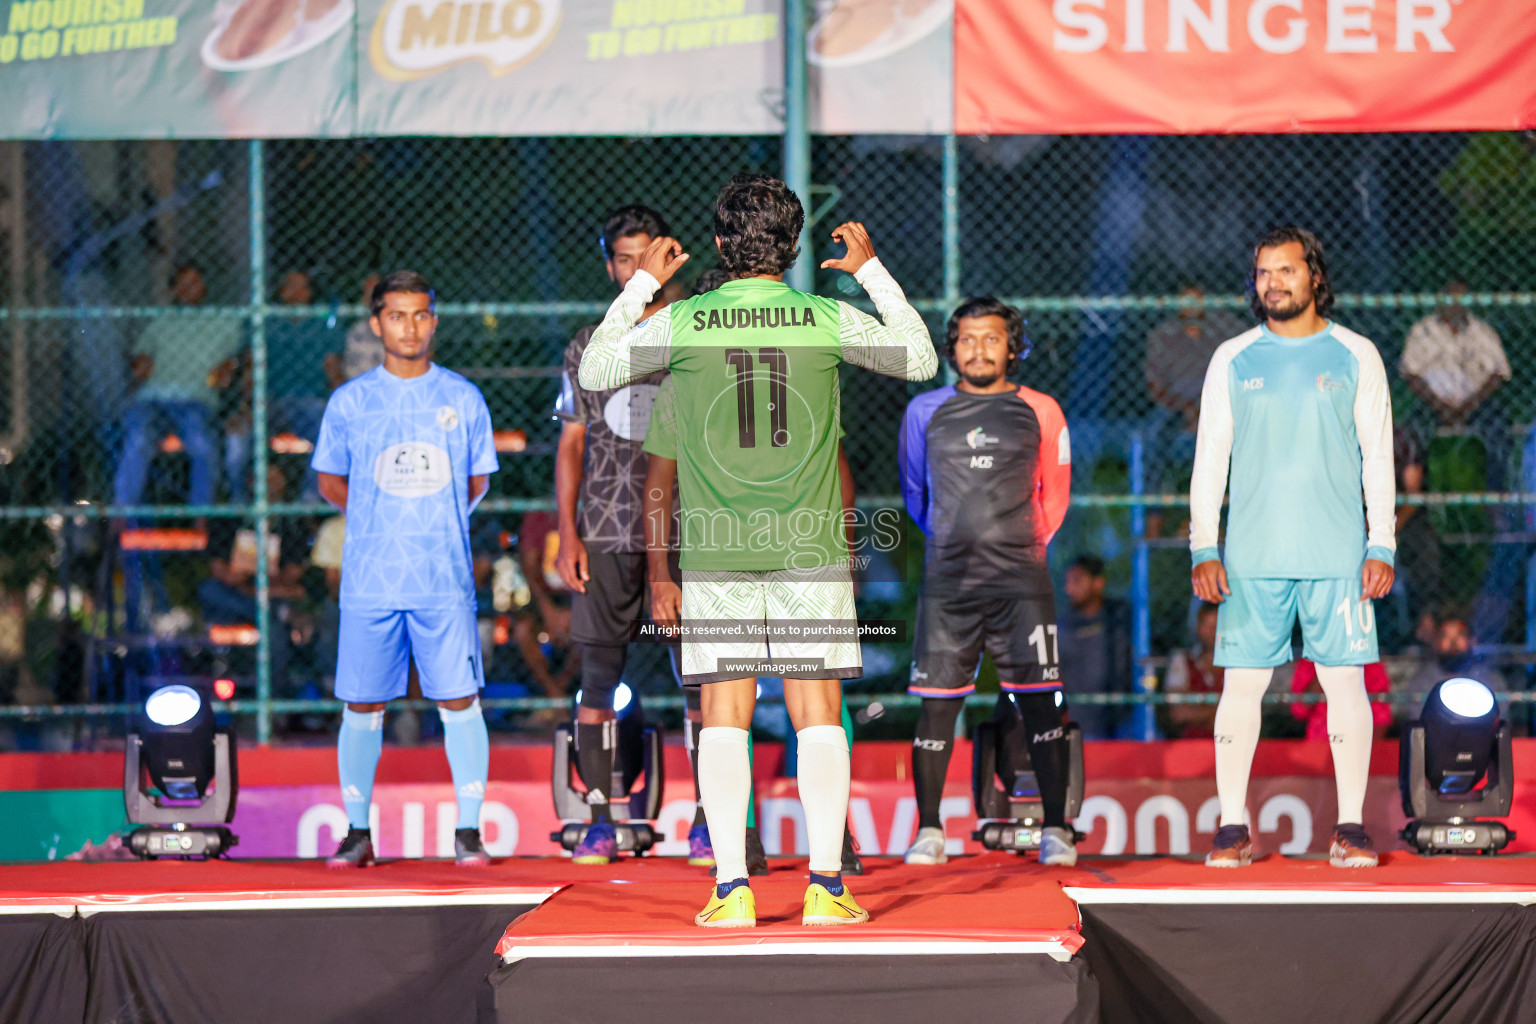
[1254,625]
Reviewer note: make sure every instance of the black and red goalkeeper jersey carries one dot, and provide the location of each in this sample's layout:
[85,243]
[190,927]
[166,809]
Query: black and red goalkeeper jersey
[987,478]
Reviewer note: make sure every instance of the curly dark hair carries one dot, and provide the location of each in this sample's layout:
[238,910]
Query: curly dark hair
[634,219]
[1312,249]
[1019,346]
[708,281]
[758,221]
[404,281]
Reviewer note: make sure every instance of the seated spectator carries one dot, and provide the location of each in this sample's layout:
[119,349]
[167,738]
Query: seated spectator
[177,366]
[1193,671]
[544,627]
[1095,646]
[1453,654]
[1304,680]
[1453,361]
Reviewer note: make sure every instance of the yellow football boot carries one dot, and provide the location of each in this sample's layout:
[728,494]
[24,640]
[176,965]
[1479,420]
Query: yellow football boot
[822,908]
[737,910]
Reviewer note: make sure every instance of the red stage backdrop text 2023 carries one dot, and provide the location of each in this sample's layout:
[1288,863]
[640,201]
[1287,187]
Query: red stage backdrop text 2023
[1204,66]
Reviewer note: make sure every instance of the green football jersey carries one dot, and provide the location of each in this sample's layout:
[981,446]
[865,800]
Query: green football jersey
[757,409]
[757,406]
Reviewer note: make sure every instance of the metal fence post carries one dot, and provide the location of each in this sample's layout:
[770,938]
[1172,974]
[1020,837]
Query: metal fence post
[1143,719]
[797,139]
[259,450]
[951,237]
[951,223]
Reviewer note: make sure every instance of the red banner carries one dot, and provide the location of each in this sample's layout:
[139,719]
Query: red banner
[1205,66]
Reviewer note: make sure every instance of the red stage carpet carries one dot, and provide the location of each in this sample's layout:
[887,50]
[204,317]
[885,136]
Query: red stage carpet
[989,904]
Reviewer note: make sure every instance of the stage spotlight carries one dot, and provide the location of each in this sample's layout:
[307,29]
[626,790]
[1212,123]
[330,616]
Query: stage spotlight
[1457,742]
[175,741]
[622,697]
[635,787]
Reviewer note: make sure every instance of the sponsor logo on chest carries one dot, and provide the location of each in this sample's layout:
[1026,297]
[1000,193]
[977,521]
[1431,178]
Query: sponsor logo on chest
[412,469]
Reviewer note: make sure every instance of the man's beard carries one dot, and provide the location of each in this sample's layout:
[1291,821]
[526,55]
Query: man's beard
[1286,312]
[985,379]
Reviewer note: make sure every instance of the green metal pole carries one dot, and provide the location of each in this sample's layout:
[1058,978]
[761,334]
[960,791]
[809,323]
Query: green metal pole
[258,234]
[951,223]
[797,138]
[951,236]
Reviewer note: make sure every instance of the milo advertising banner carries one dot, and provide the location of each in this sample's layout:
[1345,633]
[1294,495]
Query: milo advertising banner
[297,68]
[559,67]
[165,68]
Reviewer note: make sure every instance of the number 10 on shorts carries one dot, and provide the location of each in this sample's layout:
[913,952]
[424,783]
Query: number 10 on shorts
[1363,612]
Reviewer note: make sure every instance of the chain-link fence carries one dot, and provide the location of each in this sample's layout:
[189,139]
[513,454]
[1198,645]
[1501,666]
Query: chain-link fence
[176,314]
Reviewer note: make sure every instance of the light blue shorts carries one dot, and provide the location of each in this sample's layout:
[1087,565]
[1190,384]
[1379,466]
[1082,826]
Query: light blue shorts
[1254,624]
[375,649]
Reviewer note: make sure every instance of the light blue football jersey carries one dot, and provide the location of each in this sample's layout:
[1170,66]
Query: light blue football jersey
[1305,427]
[407,449]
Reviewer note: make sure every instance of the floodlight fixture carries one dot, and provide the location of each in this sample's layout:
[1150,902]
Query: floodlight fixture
[1458,741]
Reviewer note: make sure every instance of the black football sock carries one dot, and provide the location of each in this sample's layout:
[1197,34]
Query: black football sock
[1046,730]
[930,756]
[594,763]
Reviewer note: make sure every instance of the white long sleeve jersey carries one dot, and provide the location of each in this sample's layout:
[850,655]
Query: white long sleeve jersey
[1305,427]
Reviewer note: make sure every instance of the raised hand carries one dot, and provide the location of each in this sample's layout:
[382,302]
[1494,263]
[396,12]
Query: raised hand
[860,250]
[662,258]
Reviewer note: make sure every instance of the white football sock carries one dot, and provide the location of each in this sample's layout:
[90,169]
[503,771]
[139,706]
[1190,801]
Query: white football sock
[1349,735]
[824,781]
[1238,717]
[725,786]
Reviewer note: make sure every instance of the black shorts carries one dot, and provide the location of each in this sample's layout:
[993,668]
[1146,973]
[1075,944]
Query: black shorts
[617,598]
[952,632]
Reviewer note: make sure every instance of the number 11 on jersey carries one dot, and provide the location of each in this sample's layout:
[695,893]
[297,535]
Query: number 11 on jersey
[777,362]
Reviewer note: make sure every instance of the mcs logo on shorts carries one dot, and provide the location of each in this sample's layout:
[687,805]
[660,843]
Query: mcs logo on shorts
[412,469]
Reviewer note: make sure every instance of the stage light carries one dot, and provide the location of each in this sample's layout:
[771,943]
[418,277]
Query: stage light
[177,737]
[172,705]
[1457,742]
[1461,721]
[224,689]
[190,762]
[621,698]
[635,786]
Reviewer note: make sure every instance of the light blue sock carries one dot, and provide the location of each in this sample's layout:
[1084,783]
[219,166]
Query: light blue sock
[469,758]
[357,756]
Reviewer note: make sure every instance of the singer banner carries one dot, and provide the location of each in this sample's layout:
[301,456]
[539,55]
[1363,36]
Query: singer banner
[1210,66]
